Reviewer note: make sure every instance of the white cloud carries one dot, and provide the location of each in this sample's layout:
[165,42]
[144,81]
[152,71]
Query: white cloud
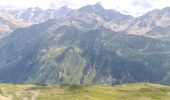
[26,3]
[72,3]
[133,7]
[144,4]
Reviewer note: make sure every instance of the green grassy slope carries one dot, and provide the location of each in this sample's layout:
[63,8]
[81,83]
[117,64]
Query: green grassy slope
[140,91]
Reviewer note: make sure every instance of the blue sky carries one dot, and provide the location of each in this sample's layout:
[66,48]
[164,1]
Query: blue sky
[133,7]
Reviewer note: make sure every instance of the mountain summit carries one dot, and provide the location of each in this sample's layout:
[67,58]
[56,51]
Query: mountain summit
[90,45]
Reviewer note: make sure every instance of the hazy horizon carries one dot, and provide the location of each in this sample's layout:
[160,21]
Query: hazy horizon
[131,7]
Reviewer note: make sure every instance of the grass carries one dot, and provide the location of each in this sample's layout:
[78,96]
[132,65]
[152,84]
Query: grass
[138,91]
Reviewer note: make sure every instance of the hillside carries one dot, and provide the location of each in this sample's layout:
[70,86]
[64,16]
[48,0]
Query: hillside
[83,49]
[141,91]
[44,54]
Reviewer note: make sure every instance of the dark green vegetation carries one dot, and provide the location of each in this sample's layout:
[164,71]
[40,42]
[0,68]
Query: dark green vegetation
[87,46]
[140,91]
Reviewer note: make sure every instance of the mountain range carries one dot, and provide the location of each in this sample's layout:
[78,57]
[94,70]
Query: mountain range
[90,45]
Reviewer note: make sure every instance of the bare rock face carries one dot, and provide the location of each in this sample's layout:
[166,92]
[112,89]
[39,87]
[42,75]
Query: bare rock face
[37,15]
[154,24]
[8,23]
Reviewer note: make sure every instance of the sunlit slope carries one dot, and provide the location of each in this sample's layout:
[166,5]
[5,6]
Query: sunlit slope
[141,91]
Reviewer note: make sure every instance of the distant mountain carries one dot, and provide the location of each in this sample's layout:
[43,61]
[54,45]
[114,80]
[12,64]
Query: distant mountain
[112,19]
[75,50]
[37,15]
[154,24]
[11,18]
[8,23]
[90,45]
